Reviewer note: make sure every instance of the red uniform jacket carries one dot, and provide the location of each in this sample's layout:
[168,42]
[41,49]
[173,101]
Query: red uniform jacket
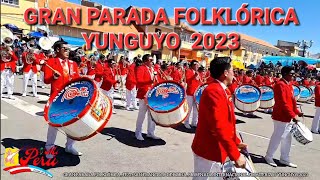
[240,79]
[312,83]
[210,80]
[285,107]
[193,82]
[91,69]
[306,83]
[11,64]
[215,137]
[177,75]
[259,80]
[248,80]
[295,83]
[123,68]
[131,81]
[99,71]
[42,56]
[109,79]
[144,80]
[268,81]
[33,66]
[317,95]
[163,75]
[157,67]
[233,86]
[56,84]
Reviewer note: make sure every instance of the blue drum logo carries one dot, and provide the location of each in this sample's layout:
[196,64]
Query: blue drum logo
[199,93]
[305,92]
[247,94]
[266,93]
[296,91]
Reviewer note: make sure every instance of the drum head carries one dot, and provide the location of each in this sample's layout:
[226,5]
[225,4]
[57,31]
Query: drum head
[71,102]
[266,93]
[248,94]
[198,93]
[305,92]
[166,96]
[296,91]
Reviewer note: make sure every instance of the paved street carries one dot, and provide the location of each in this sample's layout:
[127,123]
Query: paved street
[116,150]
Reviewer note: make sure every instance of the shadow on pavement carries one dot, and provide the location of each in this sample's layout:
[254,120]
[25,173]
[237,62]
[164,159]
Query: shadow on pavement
[258,159]
[42,102]
[181,128]
[128,138]
[253,116]
[63,159]
[238,121]
[43,93]
[308,116]
[40,113]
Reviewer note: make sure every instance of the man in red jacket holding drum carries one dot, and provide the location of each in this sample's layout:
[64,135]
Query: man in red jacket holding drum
[284,111]
[145,78]
[215,137]
[57,72]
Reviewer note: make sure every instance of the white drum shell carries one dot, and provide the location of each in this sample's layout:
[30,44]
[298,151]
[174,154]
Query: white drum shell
[245,107]
[229,167]
[267,104]
[88,124]
[171,118]
[301,133]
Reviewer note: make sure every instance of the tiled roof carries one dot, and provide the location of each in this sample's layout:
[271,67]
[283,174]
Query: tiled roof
[258,41]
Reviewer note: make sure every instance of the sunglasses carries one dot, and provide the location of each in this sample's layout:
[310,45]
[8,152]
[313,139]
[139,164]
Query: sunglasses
[66,48]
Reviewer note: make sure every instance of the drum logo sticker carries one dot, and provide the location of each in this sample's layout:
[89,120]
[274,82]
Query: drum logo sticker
[164,91]
[246,90]
[33,156]
[100,109]
[74,92]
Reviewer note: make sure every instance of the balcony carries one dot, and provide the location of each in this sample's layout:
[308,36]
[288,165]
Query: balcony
[186,45]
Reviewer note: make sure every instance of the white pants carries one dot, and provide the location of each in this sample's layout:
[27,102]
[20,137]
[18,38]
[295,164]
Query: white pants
[51,138]
[206,166]
[192,109]
[26,77]
[143,109]
[277,137]
[110,94]
[131,97]
[7,80]
[316,121]
[41,80]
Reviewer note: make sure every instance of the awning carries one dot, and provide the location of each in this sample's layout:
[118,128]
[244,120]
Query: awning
[288,60]
[74,41]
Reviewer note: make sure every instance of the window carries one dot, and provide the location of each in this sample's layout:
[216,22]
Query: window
[11,2]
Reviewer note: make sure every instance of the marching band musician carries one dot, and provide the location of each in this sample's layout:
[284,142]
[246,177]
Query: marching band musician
[91,64]
[99,71]
[123,69]
[109,80]
[240,76]
[63,71]
[259,78]
[146,76]
[193,81]
[44,55]
[247,79]
[163,73]
[306,81]
[269,79]
[131,83]
[284,110]
[315,127]
[215,138]
[30,61]
[8,67]
[313,82]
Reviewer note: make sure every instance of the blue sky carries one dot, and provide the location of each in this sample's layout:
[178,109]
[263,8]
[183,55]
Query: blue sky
[306,10]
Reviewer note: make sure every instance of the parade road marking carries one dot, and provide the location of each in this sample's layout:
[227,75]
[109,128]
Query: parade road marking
[24,106]
[3,116]
[43,97]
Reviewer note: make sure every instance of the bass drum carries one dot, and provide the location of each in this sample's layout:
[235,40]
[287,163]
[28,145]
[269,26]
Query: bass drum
[198,93]
[267,97]
[305,94]
[167,103]
[79,109]
[247,98]
[296,92]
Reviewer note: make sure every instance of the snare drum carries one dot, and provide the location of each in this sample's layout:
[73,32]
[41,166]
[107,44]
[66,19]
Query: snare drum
[230,168]
[267,97]
[198,93]
[305,94]
[79,109]
[301,133]
[296,92]
[247,98]
[167,103]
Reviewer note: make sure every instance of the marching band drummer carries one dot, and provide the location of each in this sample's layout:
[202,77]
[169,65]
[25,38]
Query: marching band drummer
[8,67]
[259,78]
[131,83]
[109,80]
[284,110]
[123,68]
[146,76]
[91,64]
[30,61]
[315,127]
[65,70]
[215,138]
[268,81]
[193,81]
[178,75]
[163,73]
[99,71]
